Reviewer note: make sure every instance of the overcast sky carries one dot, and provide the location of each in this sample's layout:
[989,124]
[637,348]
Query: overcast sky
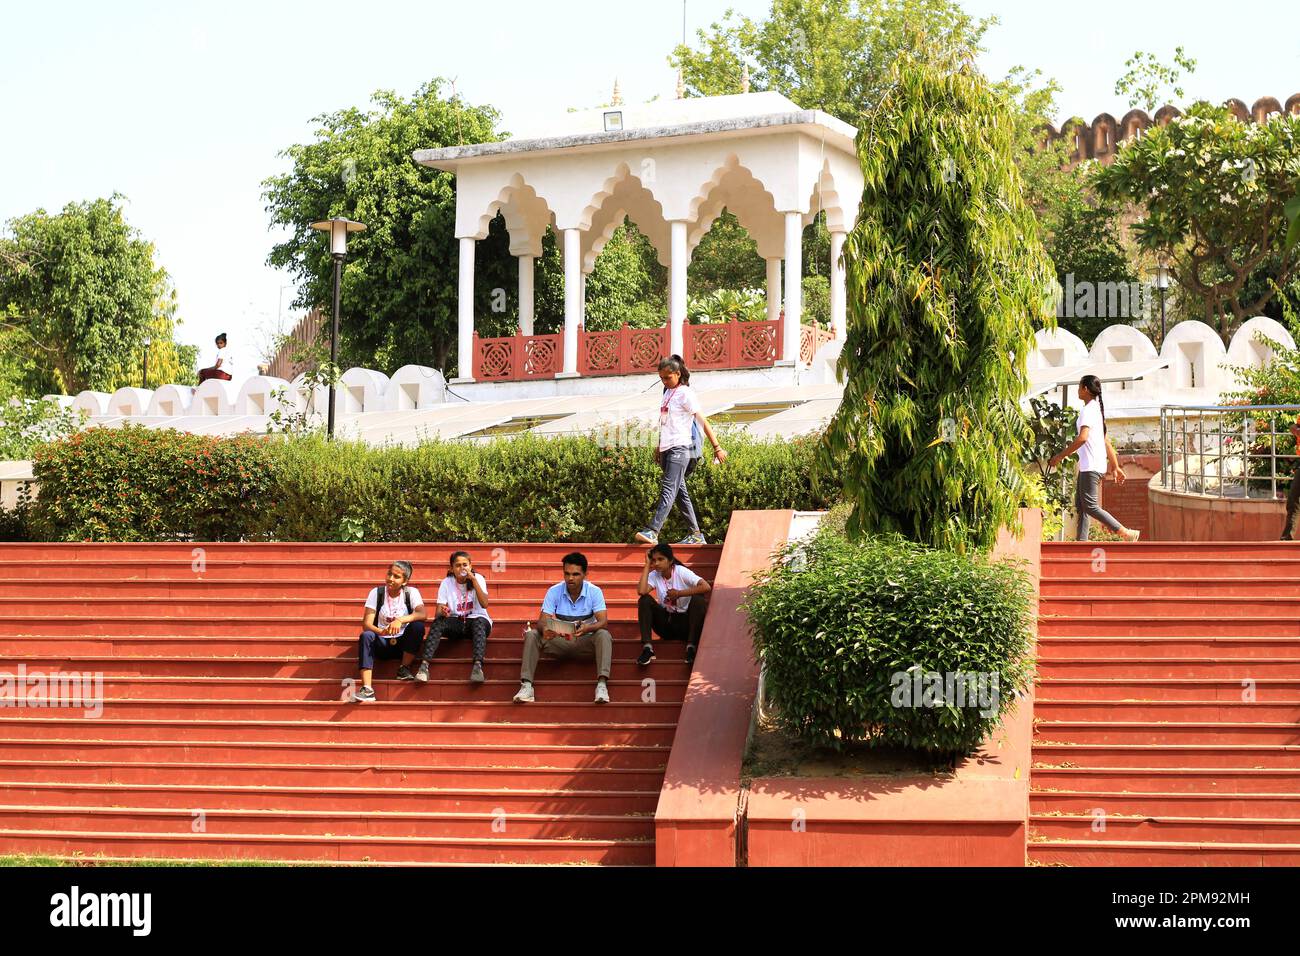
[182,107]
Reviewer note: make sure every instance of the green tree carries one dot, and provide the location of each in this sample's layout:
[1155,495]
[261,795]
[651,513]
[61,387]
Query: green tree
[399,290]
[726,258]
[832,55]
[1148,81]
[947,283]
[626,284]
[1213,192]
[80,291]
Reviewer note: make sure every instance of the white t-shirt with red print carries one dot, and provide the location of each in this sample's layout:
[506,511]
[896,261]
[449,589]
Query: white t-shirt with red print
[677,409]
[392,607]
[681,578]
[461,599]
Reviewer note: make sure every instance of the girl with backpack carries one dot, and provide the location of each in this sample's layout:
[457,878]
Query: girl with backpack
[392,626]
[682,429]
[672,603]
[1096,453]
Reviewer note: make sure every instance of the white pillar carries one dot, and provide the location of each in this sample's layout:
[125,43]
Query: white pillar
[677,291]
[572,298]
[773,289]
[793,286]
[465,310]
[582,314]
[526,298]
[839,301]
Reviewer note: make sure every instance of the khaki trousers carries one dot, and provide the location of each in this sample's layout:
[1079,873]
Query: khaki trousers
[597,644]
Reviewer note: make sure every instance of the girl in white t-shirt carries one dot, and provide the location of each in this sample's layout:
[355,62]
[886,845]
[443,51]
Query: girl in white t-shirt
[673,601]
[462,612]
[679,410]
[392,626]
[1095,454]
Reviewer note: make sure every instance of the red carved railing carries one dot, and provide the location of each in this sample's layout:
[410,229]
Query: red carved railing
[627,351]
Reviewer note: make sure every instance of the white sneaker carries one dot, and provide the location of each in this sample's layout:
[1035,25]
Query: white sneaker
[525,694]
[602,692]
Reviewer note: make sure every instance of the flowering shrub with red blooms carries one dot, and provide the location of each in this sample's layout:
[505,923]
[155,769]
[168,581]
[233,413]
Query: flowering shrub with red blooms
[143,484]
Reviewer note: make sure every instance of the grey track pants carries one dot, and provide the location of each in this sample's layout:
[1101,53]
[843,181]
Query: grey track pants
[1087,503]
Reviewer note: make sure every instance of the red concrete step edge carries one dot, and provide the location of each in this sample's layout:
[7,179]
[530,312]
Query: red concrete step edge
[1170,755]
[337,849]
[1162,711]
[384,754]
[1144,853]
[1158,804]
[1281,733]
[1276,830]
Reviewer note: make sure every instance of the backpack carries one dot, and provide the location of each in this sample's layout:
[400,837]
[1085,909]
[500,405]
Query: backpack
[379,600]
[697,440]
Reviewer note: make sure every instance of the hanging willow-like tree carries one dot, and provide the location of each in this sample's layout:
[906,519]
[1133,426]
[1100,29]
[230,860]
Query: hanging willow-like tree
[947,283]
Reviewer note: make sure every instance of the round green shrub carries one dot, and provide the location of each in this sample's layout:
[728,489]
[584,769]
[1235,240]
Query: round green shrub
[889,643]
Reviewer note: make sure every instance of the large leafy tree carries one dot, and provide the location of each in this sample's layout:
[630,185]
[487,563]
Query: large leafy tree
[832,55]
[79,292]
[947,283]
[399,288]
[1213,194]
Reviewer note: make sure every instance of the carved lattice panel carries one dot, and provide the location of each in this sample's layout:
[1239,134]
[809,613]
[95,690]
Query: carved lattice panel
[709,345]
[495,358]
[646,348]
[540,357]
[757,343]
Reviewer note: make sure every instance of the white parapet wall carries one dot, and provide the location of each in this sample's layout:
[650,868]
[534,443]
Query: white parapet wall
[215,397]
[264,395]
[171,401]
[414,388]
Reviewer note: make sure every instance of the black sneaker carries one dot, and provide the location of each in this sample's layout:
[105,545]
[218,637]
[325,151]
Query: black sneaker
[690,654]
[647,655]
[404,673]
[366,695]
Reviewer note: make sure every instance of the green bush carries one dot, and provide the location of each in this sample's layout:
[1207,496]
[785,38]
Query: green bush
[304,488]
[143,484]
[852,637]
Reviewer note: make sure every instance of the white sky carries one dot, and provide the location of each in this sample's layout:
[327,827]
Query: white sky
[183,107]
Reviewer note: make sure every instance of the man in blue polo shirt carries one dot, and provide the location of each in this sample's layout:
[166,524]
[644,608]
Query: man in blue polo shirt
[578,601]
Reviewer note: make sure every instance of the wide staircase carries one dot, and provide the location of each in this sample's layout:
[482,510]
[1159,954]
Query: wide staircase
[1167,718]
[224,734]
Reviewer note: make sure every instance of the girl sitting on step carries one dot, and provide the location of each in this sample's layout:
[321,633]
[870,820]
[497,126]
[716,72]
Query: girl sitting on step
[462,612]
[392,626]
[673,601]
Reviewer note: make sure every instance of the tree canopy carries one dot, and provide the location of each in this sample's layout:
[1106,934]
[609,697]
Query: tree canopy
[1213,193]
[399,286]
[79,291]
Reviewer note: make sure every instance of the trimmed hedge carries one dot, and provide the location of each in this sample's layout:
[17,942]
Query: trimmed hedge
[139,484]
[858,640]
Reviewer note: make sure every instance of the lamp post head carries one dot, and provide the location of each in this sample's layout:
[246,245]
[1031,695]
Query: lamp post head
[338,229]
[147,341]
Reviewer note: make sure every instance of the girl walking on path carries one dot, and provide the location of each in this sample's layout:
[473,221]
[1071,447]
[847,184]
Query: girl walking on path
[677,451]
[1095,454]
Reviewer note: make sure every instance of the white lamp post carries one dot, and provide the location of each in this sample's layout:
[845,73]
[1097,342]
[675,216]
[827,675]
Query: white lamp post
[338,229]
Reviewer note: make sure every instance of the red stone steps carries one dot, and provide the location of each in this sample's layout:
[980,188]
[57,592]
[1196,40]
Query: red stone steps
[1161,804]
[1166,625]
[323,823]
[332,849]
[1111,648]
[1161,668]
[412,713]
[1262,552]
[1145,853]
[450,666]
[108,593]
[1202,755]
[1196,569]
[230,639]
[1110,606]
[1168,711]
[424,734]
[372,779]
[449,691]
[384,754]
[136,634]
[1215,829]
[1272,691]
[1220,781]
[1258,733]
[1107,585]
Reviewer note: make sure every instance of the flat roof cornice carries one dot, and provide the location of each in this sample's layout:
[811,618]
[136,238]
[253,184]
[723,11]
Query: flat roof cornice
[816,122]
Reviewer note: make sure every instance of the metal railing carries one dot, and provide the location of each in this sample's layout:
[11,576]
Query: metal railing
[1227,451]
